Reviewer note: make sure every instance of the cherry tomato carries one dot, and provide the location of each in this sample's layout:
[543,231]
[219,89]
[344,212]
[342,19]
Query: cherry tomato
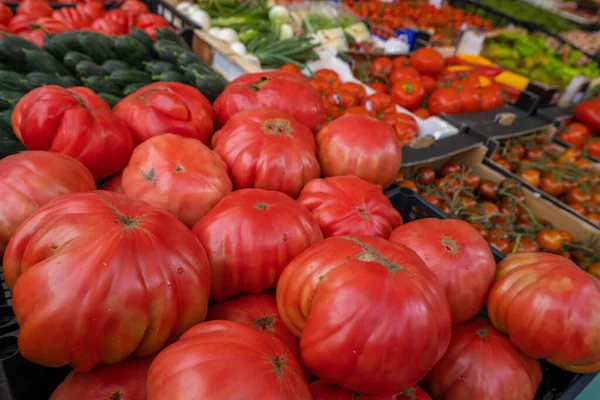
[381,67]
[471,179]
[400,62]
[593,148]
[408,184]
[450,168]
[501,245]
[425,176]
[531,176]
[488,190]
[448,184]
[433,200]
[594,217]
[526,245]
[579,209]
[550,240]
[552,185]
[577,195]
[358,91]
[323,86]
[290,68]
[378,87]
[576,134]
[534,153]
[329,75]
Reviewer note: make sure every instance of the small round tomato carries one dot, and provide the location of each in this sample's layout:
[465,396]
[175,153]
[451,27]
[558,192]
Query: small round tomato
[445,100]
[378,87]
[329,75]
[534,153]
[579,209]
[471,101]
[450,168]
[358,91]
[408,93]
[427,61]
[525,245]
[433,200]
[531,176]
[576,134]
[381,67]
[594,217]
[422,113]
[407,183]
[430,84]
[552,185]
[289,68]
[593,149]
[550,240]
[400,62]
[471,180]
[404,73]
[425,176]
[323,86]
[577,195]
[448,185]
[501,245]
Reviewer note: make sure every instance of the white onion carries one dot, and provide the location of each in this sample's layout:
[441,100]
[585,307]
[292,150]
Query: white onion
[214,31]
[279,13]
[183,6]
[201,17]
[239,48]
[228,35]
[286,31]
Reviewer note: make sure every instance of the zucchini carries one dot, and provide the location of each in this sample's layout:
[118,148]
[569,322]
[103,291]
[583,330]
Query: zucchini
[13,81]
[9,99]
[72,58]
[110,99]
[171,76]
[97,46]
[157,67]
[111,66]
[85,69]
[69,81]
[102,84]
[167,34]
[68,39]
[37,79]
[124,77]
[11,50]
[187,58]
[131,51]
[57,49]
[143,38]
[132,87]
[168,51]
[42,61]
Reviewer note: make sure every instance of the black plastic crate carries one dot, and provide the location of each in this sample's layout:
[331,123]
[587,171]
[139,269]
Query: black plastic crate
[170,13]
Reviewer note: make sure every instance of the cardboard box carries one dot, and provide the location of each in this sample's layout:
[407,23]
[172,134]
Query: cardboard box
[429,152]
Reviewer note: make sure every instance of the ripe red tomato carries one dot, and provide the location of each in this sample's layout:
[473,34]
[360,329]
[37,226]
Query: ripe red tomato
[177,174]
[329,76]
[5,14]
[406,128]
[280,227]
[408,94]
[75,122]
[290,68]
[93,9]
[491,97]
[34,9]
[588,113]
[422,113]
[150,20]
[471,100]
[429,83]
[268,149]
[400,62]
[593,149]
[113,184]
[403,73]
[347,205]
[381,67]
[527,302]
[575,134]
[109,27]
[167,107]
[410,325]
[322,390]
[20,23]
[126,380]
[378,87]
[477,354]
[30,179]
[72,17]
[427,61]
[447,247]
[141,272]
[380,156]
[134,7]
[281,90]
[213,359]
[445,100]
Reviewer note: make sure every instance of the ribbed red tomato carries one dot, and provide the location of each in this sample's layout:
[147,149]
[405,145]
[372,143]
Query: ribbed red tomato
[73,17]
[34,8]
[139,276]
[226,360]
[347,205]
[287,91]
[528,300]
[358,300]
[75,122]
[125,380]
[459,256]
[427,61]
[322,390]
[29,180]
[177,174]
[268,149]
[113,184]
[167,107]
[380,155]
[250,237]
[481,363]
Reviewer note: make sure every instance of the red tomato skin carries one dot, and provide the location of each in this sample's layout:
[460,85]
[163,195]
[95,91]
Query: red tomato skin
[286,91]
[167,107]
[148,20]
[404,73]
[72,17]
[177,174]
[134,7]
[5,14]
[34,8]
[458,255]
[429,83]
[75,122]
[322,390]
[330,287]
[281,228]
[347,205]
[471,100]
[268,149]
[588,113]
[544,282]
[481,363]
[212,360]
[144,276]
[114,183]
[408,94]
[380,156]
[126,379]
[445,100]
[30,179]
[20,23]
[427,61]
[92,9]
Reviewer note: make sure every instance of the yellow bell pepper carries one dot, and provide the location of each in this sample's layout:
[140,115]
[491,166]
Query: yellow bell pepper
[477,60]
[513,80]
[484,81]
[459,68]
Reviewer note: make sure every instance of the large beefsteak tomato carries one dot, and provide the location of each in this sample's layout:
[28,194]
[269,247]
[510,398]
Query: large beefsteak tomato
[459,256]
[125,380]
[226,360]
[98,276]
[250,237]
[347,205]
[481,363]
[268,149]
[178,174]
[372,317]
[29,180]
[114,183]
[75,122]
[322,390]
[548,307]
[361,146]
[287,91]
[163,107]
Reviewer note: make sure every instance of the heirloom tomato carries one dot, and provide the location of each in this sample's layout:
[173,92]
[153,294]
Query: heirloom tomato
[167,107]
[134,7]
[427,61]
[355,301]
[250,237]
[267,149]
[139,276]
[285,91]
[75,122]
[347,205]
[481,363]
[114,183]
[5,14]
[544,302]
[226,360]
[380,153]
[588,113]
[322,390]
[458,255]
[29,180]
[72,17]
[34,8]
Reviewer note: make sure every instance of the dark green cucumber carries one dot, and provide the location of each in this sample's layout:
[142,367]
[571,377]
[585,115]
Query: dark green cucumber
[57,49]
[100,84]
[13,81]
[42,61]
[171,76]
[97,46]
[143,38]
[211,85]
[168,51]
[69,81]
[6,121]
[156,67]
[9,144]
[167,34]
[68,39]
[187,58]
[72,58]
[6,67]
[9,99]
[37,79]
[132,87]
[12,50]
[86,69]
[192,70]
[114,65]
[124,77]
[131,51]
[112,100]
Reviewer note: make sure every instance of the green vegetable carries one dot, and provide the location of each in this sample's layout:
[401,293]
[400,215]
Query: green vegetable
[101,84]
[9,144]
[317,22]
[167,34]
[5,67]
[9,99]
[168,51]
[36,79]
[69,81]
[86,69]
[131,51]
[157,67]
[57,49]
[72,58]
[210,84]
[133,87]
[111,66]
[186,58]
[68,39]
[124,77]
[42,61]
[97,46]
[13,81]
[109,98]
[143,38]
[522,11]
[12,50]
[171,76]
